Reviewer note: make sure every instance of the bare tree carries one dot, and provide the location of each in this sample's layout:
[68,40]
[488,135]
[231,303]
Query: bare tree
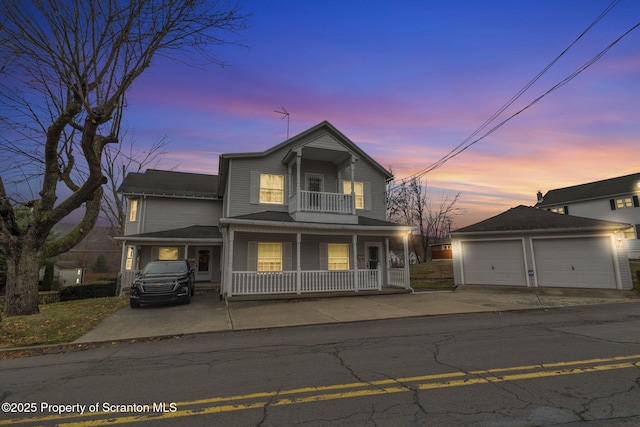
[120,159]
[66,66]
[408,202]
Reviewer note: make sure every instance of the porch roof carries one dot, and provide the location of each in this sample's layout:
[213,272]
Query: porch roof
[193,234]
[276,218]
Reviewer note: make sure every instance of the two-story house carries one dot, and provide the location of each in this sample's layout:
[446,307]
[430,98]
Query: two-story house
[614,199]
[305,216]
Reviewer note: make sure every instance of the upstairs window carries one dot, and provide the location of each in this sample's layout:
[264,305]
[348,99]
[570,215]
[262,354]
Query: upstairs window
[133,210]
[563,210]
[271,188]
[624,202]
[359,192]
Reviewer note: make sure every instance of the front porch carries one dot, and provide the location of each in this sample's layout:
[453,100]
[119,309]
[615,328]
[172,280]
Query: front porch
[293,259]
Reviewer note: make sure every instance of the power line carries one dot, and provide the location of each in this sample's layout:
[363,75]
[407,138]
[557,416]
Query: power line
[468,142]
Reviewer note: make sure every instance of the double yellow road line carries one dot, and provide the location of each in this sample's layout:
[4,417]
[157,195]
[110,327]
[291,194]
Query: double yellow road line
[342,391]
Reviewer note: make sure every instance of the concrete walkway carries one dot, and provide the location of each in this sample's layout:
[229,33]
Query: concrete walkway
[207,313]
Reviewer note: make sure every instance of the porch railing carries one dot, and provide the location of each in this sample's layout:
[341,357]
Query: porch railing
[272,282]
[396,277]
[251,282]
[314,201]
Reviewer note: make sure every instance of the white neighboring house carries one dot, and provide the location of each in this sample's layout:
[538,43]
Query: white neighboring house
[530,247]
[66,273]
[303,217]
[614,199]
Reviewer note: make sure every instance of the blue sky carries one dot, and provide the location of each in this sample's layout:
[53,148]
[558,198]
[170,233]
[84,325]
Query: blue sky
[408,81]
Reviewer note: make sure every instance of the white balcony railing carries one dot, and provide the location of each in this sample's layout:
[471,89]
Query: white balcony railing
[251,282]
[314,201]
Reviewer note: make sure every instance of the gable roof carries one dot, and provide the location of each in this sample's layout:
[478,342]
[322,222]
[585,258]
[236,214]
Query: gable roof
[170,183]
[525,218]
[593,190]
[296,141]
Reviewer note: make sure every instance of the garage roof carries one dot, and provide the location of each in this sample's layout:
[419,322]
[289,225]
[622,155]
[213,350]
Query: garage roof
[525,218]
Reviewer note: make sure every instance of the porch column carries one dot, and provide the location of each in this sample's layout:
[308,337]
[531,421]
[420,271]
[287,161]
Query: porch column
[228,279]
[186,252]
[298,161]
[123,263]
[298,266]
[387,261]
[354,243]
[353,185]
[405,241]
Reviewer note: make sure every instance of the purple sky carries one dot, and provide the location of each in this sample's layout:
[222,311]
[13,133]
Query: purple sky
[408,81]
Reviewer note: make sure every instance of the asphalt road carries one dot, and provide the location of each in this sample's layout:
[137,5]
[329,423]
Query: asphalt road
[568,366]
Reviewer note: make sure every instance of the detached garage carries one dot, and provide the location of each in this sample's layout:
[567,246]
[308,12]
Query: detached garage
[526,246]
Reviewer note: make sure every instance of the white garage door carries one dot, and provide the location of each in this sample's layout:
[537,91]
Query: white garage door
[498,262]
[585,262]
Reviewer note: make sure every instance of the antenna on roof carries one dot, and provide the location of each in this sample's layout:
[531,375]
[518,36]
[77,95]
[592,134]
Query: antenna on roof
[284,113]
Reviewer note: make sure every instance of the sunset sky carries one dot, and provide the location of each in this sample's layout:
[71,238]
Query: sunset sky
[410,80]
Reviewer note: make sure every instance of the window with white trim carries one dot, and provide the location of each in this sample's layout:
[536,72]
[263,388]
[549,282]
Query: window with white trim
[168,253]
[133,210]
[129,263]
[338,256]
[271,188]
[624,202]
[269,256]
[359,192]
[630,233]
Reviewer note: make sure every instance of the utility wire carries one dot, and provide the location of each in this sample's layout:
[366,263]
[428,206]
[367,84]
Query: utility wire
[466,142]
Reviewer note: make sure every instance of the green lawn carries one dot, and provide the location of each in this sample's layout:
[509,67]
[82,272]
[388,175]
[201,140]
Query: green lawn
[60,322]
[432,275]
[635,267]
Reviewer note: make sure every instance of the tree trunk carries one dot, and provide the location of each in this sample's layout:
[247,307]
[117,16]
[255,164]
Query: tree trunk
[23,271]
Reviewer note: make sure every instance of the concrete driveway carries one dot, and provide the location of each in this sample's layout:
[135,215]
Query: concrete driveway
[207,313]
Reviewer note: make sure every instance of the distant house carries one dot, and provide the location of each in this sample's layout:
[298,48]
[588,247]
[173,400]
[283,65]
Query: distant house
[531,247]
[614,199]
[66,273]
[305,216]
[441,250]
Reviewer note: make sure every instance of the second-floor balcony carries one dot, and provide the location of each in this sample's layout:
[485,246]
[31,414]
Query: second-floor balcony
[320,202]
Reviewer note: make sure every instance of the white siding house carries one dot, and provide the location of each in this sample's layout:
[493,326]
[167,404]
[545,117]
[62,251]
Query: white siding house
[614,199]
[303,217]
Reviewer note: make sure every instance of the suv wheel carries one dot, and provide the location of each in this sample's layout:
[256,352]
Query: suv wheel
[134,303]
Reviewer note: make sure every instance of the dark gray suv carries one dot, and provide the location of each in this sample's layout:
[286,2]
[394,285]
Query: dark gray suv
[162,282]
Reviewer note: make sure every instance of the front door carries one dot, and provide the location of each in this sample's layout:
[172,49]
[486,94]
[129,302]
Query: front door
[373,256]
[203,264]
[373,252]
[315,184]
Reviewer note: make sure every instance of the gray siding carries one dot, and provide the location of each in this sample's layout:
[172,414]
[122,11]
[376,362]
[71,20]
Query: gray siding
[309,248]
[238,196]
[171,213]
[366,173]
